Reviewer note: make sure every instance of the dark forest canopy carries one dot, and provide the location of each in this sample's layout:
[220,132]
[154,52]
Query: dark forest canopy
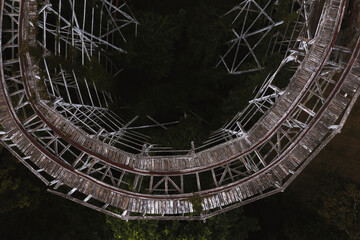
[169,69]
[29,212]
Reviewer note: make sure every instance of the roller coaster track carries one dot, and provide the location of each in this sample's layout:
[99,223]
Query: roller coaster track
[251,163]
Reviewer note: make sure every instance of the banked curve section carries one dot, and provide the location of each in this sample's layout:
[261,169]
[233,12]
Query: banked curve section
[263,130]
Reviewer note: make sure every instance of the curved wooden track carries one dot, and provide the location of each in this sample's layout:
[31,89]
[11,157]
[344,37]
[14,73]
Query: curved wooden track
[260,162]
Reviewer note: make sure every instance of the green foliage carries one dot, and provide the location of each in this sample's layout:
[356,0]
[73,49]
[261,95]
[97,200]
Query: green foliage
[15,192]
[36,53]
[187,130]
[284,13]
[27,211]
[196,202]
[169,68]
[151,51]
[139,230]
[205,33]
[234,225]
[93,71]
[291,216]
[341,206]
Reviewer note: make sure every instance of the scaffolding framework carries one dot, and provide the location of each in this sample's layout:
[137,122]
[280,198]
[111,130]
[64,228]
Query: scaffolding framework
[93,28]
[253,21]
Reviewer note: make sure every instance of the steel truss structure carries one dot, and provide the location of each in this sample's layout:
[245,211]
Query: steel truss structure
[90,27]
[59,125]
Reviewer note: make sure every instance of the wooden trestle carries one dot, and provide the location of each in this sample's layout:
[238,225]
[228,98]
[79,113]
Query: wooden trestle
[259,162]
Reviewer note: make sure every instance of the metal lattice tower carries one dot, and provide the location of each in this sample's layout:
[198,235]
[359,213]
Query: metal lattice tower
[59,125]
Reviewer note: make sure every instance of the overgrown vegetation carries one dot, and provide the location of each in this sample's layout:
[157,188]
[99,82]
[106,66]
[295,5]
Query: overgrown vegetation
[169,71]
[196,203]
[28,212]
[233,225]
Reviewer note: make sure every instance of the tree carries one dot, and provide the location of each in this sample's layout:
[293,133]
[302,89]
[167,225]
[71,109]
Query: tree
[234,225]
[152,51]
[15,192]
[341,207]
